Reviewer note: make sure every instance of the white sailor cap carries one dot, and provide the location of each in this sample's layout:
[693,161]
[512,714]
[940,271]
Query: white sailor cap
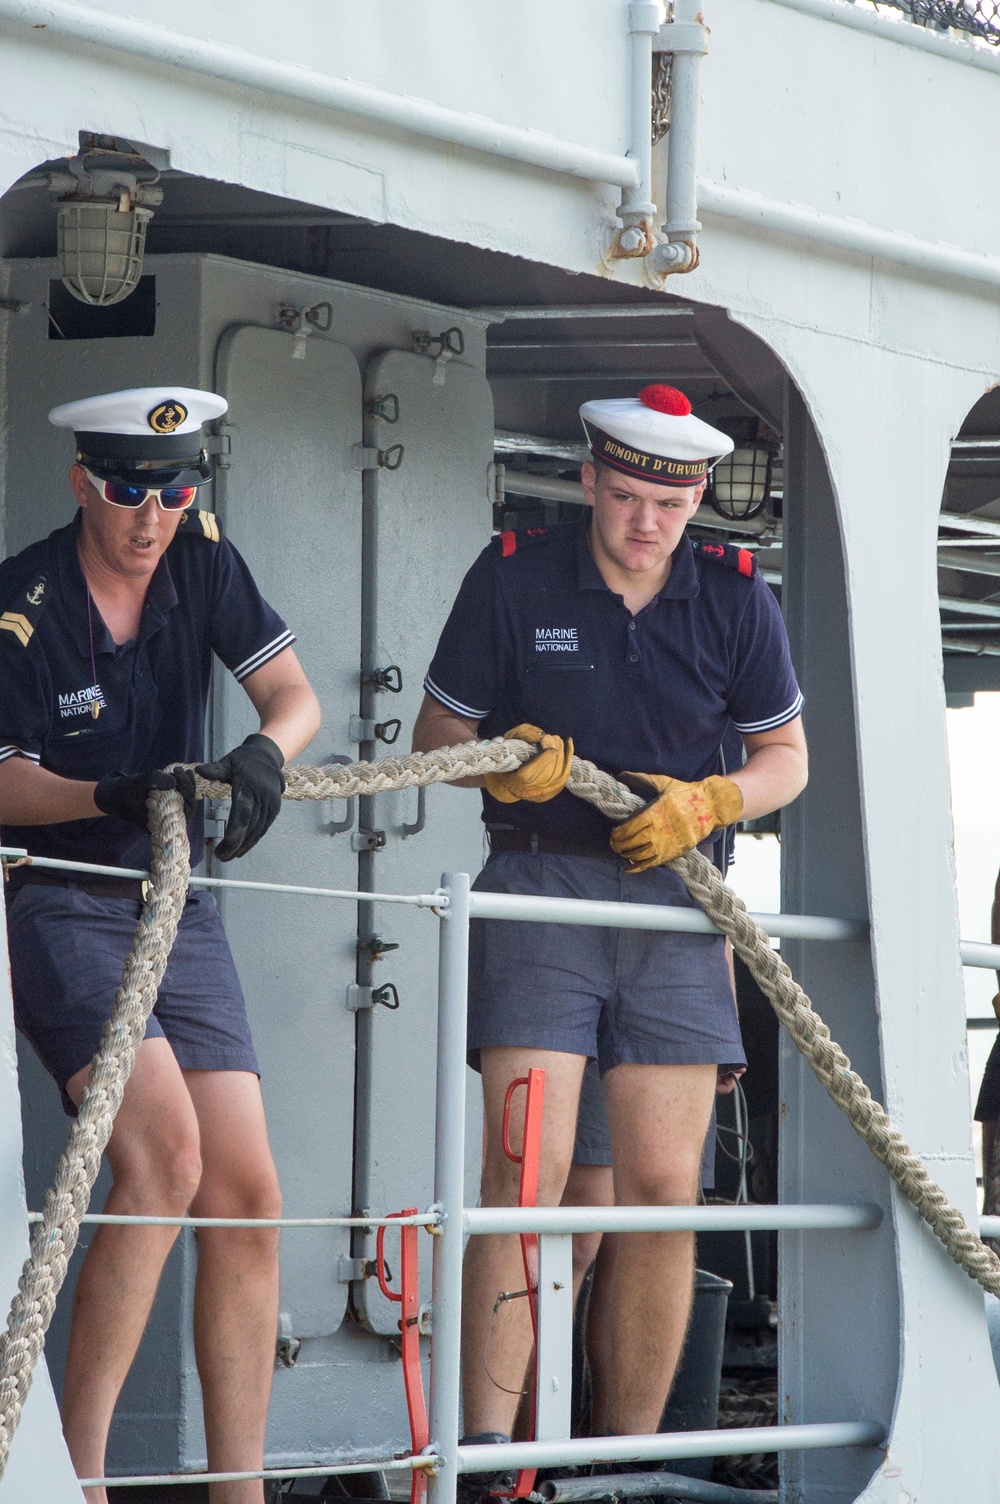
[121,435]
[654,436]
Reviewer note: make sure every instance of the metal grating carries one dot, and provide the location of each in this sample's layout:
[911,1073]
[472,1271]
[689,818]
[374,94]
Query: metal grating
[977,18]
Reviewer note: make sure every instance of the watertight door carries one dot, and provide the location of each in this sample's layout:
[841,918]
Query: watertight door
[291,502]
[425,523]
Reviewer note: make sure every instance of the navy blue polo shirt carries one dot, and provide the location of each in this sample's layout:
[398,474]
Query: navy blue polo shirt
[151,693]
[535,635]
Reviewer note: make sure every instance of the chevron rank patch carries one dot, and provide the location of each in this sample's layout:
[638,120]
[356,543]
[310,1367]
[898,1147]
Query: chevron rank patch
[24,612]
[207,521]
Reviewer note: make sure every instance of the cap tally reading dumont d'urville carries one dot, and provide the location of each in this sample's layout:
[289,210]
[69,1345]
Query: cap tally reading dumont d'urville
[127,435]
[654,436]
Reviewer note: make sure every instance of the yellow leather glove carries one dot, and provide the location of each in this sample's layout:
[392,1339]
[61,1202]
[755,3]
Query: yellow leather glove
[540,779]
[678,820]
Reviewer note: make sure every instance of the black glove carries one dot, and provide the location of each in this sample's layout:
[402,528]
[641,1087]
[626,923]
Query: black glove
[124,794]
[253,770]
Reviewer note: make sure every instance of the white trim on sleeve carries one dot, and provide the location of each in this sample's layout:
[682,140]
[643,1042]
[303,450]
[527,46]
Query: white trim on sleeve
[263,655]
[774,721]
[11,751]
[467,711]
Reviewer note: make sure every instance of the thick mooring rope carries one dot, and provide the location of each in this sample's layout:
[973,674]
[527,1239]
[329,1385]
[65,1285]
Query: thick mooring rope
[55,1237]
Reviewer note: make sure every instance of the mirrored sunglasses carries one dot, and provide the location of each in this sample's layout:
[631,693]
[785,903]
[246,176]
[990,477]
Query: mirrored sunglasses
[120,494]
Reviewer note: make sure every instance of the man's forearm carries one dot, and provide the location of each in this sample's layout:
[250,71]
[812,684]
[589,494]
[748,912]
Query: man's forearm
[291,718]
[770,778]
[436,726]
[30,795]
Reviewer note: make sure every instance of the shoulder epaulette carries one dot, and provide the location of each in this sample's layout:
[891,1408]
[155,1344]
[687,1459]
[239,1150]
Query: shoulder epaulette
[740,559]
[25,610]
[207,521]
[509,542]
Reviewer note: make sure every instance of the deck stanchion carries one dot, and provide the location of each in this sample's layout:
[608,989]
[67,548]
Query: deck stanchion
[449,1185]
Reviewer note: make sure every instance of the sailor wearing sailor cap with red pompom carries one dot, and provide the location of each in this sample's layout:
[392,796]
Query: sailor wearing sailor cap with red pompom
[623,639]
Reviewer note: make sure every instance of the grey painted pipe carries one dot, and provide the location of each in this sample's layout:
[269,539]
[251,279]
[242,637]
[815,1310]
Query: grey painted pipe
[648,916]
[727,1443]
[819,1217]
[233,65]
[805,223]
[449,1188]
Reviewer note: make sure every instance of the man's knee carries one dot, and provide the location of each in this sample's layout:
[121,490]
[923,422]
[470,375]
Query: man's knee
[502,1177]
[163,1168]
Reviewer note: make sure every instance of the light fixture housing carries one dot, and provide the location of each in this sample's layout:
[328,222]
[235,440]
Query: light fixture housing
[100,250]
[741,481]
[106,196]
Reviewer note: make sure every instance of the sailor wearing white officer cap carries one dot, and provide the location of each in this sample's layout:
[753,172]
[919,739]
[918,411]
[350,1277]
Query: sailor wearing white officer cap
[126,435]
[639,648]
[107,634]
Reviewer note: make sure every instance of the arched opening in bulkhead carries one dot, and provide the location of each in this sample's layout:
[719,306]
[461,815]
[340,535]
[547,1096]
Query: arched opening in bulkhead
[968,556]
[535,343]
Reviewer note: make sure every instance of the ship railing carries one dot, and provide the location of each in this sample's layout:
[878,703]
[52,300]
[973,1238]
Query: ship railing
[451,1221]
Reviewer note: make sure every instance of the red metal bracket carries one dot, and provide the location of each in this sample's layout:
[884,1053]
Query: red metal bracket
[409,1298]
[529,1159]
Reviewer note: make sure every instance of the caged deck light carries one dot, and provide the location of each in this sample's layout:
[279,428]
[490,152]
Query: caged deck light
[741,481]
[106,200]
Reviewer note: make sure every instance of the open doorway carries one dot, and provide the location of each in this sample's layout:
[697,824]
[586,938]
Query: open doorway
[969,586]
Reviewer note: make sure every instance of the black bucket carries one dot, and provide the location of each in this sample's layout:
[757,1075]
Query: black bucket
[694,1399]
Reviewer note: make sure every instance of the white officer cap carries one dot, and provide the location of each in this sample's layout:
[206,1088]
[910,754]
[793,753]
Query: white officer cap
[654,436]
[124,435]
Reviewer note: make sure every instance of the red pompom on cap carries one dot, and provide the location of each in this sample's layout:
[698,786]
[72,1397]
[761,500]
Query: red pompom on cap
[665,399]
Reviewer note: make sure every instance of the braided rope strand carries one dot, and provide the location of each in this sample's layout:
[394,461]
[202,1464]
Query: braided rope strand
[55,1238]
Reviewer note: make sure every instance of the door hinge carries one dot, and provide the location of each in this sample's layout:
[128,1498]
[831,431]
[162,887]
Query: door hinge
[221,446]
[367,840]
[363,730]
[365,458]
[359,998]
[349,1270]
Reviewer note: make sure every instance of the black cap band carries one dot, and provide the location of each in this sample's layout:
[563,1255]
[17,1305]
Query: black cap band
[642,465]
[182,448]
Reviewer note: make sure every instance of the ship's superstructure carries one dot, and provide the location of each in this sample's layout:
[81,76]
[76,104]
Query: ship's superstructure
[406,242]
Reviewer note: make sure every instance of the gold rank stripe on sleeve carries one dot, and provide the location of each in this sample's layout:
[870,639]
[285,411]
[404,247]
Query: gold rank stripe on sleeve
[13,621]
[209,525]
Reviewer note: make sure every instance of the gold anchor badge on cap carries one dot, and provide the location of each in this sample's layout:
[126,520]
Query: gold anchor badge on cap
[167,416]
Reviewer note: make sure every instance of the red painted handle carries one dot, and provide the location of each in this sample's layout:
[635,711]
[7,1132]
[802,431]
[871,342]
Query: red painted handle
[507,1103]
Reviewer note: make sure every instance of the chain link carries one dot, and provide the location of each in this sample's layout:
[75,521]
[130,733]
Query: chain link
[978,18]
[662,70]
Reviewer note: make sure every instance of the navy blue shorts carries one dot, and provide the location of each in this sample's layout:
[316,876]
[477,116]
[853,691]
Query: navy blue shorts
[67,951]
[636,997]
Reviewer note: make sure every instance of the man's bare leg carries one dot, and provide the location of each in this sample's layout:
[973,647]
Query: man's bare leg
[236,1289]
[587,1185]
[496,1348]
[593,1185]
[154,1158]
[652,1274]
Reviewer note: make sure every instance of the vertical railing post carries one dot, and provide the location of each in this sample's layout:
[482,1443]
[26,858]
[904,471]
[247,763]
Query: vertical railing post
[449,1184]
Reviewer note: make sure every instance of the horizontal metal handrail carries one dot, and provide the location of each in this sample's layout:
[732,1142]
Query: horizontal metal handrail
[430,1218]
[989,1227]
[975,953]
[321,1470]
[821,1217]
[58,864]
[531,909]
[648,916]
[727,1443]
